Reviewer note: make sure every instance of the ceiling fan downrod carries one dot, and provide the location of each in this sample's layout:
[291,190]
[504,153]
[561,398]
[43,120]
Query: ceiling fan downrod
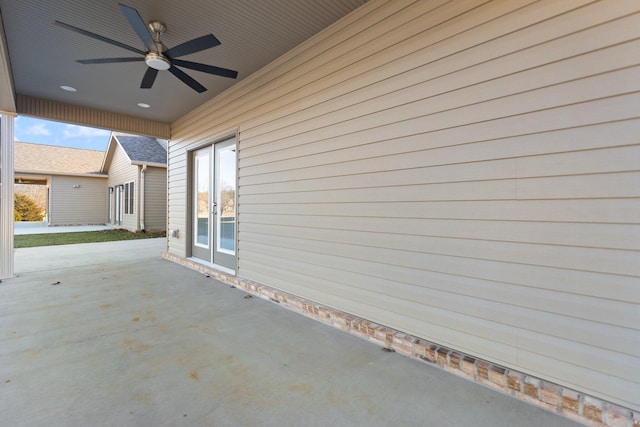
[157,60]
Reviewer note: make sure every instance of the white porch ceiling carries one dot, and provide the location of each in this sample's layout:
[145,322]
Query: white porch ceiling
[43,56]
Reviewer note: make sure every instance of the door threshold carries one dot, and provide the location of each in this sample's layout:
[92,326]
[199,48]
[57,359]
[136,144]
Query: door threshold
[219,267]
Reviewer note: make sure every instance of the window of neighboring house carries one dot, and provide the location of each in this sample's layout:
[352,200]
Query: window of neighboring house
[128,197]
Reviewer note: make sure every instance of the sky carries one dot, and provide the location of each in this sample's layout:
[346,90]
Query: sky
[28,129]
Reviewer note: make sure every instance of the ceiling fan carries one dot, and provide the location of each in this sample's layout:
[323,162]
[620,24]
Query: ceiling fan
[157,56]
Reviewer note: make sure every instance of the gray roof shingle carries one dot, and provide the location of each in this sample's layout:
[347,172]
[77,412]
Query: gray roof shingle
[143,149]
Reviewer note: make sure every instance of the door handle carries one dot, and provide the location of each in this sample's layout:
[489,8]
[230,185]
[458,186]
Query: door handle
[214,209]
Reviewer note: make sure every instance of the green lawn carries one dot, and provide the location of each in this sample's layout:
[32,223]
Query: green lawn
[52,239]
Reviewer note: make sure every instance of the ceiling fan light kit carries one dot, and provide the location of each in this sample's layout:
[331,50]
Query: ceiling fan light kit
[156,56]
[157,61]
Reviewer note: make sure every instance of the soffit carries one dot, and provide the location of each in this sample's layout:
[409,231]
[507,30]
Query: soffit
[252,32]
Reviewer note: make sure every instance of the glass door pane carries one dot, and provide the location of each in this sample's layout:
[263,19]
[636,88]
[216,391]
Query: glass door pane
[225,196]
[226,189]
[201,204]
[202,200]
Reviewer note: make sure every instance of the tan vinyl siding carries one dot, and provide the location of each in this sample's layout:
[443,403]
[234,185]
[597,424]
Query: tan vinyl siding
[177,197]
[155,193]
[122,171]
[84,205]
[467,172]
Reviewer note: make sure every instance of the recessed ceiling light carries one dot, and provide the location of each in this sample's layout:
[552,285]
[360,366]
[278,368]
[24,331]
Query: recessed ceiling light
[143,105]
[68,88]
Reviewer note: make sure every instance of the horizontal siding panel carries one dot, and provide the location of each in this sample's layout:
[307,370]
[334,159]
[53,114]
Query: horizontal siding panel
[618,185]
[176,185]
[176,211]
[457,163]
[374,245]
[618,159]
[421,165]
[447,150]
[556,313]
[428,115]
[624,367]
[579,210]
[452,73]
[442,148]
[477,103]
[383,176]
[606,236]
[470,190]
[556,279]
[541,121]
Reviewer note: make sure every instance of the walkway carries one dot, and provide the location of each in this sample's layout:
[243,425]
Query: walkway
[20,228]
[111,334]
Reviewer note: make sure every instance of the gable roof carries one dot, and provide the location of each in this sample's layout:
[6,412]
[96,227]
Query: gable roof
[140,150]
[29,157]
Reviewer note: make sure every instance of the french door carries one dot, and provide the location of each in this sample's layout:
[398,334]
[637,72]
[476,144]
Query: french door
[214,204]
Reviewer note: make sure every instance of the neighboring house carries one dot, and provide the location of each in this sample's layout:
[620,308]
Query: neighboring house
[137,183]
[72,178]
[126,186]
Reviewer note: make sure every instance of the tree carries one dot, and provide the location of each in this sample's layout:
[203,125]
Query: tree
[37,192]
[25,209]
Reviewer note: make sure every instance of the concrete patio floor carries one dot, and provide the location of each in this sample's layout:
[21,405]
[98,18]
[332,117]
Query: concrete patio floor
[110,334]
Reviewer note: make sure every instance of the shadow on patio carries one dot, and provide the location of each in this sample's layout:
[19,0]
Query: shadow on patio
[111,334]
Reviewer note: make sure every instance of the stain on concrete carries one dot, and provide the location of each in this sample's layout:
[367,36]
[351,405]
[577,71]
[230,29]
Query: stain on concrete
[33,353]
[303,388]
[135,346]
[144,397]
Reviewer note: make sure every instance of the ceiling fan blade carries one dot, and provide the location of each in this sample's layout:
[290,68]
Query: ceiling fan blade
[149,78]
[186,79]
[210,69]
[192,46]
[108,60]
[138,25]
[97,37]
